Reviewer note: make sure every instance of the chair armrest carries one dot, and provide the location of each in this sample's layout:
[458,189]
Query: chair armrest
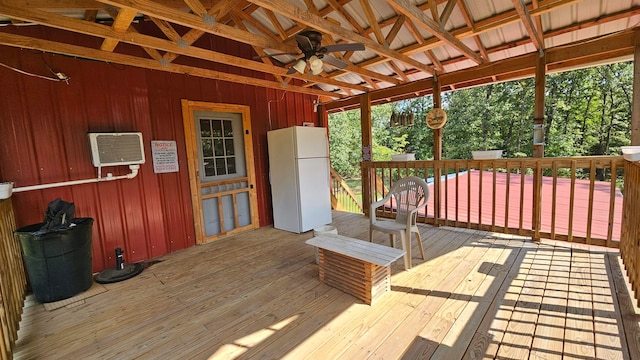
[375,205]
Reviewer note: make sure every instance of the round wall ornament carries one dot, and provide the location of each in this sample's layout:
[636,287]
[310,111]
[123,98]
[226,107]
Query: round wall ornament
[436,118]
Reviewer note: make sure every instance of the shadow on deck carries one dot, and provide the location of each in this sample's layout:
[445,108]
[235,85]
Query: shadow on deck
[257,295]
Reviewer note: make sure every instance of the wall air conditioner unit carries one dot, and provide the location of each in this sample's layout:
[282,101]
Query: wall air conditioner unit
[111,149]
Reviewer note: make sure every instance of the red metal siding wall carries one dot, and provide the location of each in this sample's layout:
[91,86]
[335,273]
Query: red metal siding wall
[43,139]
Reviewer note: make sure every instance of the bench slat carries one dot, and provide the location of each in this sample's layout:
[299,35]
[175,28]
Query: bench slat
[359,249]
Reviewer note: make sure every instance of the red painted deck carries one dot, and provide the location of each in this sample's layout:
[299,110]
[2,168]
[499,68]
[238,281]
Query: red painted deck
[476,206]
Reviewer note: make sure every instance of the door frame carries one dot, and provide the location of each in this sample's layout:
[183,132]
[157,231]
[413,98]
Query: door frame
[188,109]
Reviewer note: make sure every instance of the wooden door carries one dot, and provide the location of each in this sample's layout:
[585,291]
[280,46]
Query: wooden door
[221,168]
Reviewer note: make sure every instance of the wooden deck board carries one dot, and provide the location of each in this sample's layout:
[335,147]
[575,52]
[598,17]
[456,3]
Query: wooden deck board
[257,295]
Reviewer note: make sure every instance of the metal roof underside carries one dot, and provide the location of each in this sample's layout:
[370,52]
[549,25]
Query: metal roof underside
[405,40]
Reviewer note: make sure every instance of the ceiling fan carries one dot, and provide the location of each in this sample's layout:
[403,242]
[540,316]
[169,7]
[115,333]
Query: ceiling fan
[309,43]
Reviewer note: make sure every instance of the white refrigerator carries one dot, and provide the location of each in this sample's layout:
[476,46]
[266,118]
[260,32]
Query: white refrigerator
[300,178]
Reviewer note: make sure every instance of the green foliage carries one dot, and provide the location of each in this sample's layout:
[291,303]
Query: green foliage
[587,112]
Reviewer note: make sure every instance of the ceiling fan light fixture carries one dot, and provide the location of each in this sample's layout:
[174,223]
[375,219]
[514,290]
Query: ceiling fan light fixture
[315,64]
[300,66]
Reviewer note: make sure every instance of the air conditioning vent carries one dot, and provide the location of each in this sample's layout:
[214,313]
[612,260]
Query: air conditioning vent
[110,149]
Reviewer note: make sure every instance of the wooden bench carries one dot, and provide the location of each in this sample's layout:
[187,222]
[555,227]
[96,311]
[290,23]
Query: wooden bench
[357,267]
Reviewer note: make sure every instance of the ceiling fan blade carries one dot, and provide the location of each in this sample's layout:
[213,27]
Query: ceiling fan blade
[276,54]
[343,47]
[304,43]
[334,62]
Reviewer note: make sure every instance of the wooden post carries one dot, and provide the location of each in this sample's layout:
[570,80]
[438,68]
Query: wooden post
[437,153]
[367,147]
[538,143]
[323,116]
[635,107]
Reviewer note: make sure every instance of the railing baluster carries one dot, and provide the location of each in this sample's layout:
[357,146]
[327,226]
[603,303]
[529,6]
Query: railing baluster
[554,199]
[612,202]
[592,181]
[572,199]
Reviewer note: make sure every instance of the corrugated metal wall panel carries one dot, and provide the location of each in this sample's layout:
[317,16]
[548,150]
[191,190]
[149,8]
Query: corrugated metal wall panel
[43,137]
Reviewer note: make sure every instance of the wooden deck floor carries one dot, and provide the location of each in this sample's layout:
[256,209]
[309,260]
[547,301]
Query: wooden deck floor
[257,295]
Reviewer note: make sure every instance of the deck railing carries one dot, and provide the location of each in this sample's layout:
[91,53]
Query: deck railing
[630,238]
[12,282]
[342,197]
[570,199]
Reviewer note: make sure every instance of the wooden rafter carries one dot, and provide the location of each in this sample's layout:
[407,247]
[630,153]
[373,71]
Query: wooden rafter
[276,24]
[81,26]
[446,13]
[527,21]
[373,22]
[150,8]
[238,21]
[470,23]
[151,51]
[90,15]
[305,17]
[538,20]
[120,24]
[398,71]
[434,59]
[433,7]
[391,35]
[83,52]
[196,6]
[219,10]
[166,28]
[338,8]
[419,18]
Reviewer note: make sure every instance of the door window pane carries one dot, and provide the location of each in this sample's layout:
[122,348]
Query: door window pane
[205,128]
[221,169]
[228,131]
[231,165]
[209,169]
[228,144]
[216,128]
[207,149]
[219,147]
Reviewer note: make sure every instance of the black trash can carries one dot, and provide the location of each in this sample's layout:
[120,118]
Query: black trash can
[58,261]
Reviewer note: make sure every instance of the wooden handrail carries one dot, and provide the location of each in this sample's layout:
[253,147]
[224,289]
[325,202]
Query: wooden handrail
[498,195]
[12,282]
[342,197]
[629,241]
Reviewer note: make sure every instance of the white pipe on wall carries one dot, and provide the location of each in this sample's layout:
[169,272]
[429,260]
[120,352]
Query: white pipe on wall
[134,172]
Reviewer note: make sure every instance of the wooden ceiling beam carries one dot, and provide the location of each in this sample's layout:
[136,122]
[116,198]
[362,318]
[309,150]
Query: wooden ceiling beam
[83,27]
[446,13]
[494,22]
[391,35]
[94,5]
[276,24]
[340,10]
[470,23]
[398,71]
[527,21]
[433,7]
[557,58]
[121,23]
[267,60]
[373,22]
[151,51]
[196,6]
[406,8]
[256,24]
[219,10]
[166,28]
[538,21]
[150,8]
[434,59]
[90,15]
[100,55]
[305,17]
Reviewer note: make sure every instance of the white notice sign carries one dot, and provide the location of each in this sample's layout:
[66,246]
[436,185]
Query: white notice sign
[165,156]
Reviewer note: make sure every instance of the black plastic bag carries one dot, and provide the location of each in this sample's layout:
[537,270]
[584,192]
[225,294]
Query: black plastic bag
[58,214]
